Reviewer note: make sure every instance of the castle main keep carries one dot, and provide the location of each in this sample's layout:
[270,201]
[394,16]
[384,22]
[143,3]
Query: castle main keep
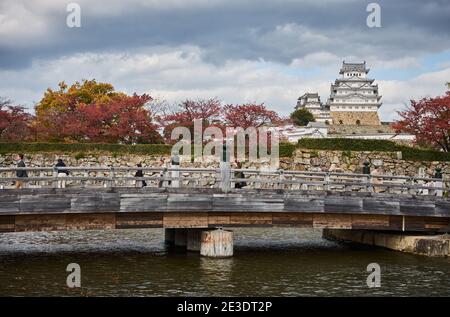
[354,99]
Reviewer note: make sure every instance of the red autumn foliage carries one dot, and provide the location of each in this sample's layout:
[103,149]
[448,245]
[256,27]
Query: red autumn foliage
[429,120]
[206,110]
[249,115]
[14,123]
[121,120]
[212,113]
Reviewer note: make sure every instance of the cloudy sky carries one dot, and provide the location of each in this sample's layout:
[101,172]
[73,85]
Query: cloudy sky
[236,50]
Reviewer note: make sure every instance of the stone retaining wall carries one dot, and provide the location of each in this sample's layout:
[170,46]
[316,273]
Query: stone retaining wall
[390,163]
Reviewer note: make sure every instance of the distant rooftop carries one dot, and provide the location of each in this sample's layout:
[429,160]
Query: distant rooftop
[317,125]
[310,95]
[353,67]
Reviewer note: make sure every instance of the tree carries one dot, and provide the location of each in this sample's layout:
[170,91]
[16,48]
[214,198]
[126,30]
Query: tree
[57,103]
[302,117]
[122,120]
[206,110]
[14,122]
[67,98]
[428,120]
[95,112]
[249,115]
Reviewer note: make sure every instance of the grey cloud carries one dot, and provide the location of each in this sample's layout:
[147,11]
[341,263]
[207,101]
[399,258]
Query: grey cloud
[242,30]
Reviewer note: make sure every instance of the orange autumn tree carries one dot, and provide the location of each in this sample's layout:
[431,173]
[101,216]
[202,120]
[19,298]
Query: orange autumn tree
[94,112]
[428,119]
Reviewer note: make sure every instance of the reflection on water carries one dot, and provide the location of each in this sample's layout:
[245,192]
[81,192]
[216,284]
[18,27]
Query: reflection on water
[267,262]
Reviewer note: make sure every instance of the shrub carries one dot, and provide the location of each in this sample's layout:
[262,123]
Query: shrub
[145,149]
[341,144]
[286,149]
[80,156]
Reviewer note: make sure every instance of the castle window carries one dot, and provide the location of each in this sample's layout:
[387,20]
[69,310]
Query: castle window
[340,122]
[358,122]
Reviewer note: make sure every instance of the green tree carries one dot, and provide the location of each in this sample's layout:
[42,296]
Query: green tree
[302,117]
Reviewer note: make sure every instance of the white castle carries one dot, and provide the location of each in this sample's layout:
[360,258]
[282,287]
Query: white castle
[353,100]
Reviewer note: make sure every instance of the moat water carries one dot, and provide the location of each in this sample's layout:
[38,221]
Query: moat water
[267,262]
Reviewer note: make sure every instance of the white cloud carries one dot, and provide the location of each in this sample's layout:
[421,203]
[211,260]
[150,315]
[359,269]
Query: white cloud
[179,73]
[174,74]
[318,59]
[19,20]
[397,94]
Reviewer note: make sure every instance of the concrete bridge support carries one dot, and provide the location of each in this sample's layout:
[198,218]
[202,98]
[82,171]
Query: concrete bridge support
[217,243]
[430,245]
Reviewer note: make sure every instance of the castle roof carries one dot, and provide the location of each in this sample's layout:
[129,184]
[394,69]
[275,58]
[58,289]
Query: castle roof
[353,67]
[309,95]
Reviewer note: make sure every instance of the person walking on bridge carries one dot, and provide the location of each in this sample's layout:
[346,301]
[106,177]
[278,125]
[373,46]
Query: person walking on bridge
[241,175]
[61,173]
[139,173]
[20,174]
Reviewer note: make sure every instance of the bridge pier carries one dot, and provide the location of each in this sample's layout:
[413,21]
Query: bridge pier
[430,245]
[217,243]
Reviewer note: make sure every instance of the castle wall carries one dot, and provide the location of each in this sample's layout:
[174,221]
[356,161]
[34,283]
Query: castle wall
[351,117]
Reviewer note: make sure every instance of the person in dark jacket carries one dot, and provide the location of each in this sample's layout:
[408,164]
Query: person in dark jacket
[61,173]
[21,174]
[139,173]
[239,174]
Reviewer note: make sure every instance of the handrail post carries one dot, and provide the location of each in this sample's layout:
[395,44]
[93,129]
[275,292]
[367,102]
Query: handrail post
[369,182]
[258,180]
[129,182]
[225,176]
[42,183]
[326,186]
[55,177]
[439,183]
[112,176]
[412,182]
[281,178]
[84,182]
[175,176]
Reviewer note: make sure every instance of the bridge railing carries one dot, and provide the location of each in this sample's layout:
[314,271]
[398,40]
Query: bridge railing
[110,176]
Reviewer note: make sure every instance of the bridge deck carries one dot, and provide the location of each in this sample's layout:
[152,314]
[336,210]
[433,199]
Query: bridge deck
[109,208]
